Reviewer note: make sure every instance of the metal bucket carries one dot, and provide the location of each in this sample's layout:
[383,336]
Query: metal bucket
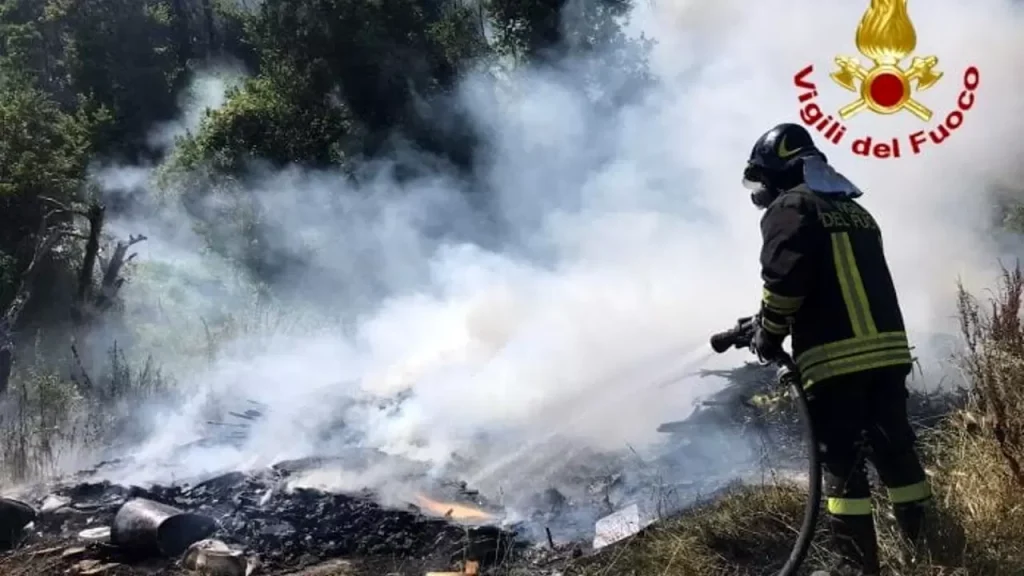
[150,528]
[14,516]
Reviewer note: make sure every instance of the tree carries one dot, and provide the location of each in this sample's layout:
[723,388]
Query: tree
[385,60]
[584,35]
[120,54]
[44,152]
[273,118]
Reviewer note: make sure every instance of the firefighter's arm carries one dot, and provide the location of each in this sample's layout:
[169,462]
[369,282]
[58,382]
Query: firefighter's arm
[785,255]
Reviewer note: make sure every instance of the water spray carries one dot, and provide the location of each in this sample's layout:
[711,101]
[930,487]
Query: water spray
[696,356]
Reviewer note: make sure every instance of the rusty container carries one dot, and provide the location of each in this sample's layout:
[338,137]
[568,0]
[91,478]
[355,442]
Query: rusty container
[145,527]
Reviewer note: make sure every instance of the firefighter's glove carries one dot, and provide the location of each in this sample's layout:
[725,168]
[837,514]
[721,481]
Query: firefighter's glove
[766,345]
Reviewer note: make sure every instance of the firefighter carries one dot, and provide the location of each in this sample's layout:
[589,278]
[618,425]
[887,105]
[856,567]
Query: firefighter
[827,286]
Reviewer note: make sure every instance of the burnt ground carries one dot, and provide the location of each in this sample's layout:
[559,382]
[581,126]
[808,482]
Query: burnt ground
[304,531]
[289,531]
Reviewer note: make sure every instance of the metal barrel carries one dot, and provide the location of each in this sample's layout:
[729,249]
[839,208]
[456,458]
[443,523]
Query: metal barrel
[146,527]
[14,516]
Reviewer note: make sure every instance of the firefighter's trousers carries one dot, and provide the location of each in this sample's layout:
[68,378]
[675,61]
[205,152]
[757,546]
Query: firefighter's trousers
[861,417]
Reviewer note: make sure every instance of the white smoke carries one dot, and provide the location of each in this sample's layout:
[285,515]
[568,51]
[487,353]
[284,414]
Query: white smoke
[633,241]
[207,91]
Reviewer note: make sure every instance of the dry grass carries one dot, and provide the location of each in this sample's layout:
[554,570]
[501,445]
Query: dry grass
[732,536]
[975,458]
[58,414]
[49,420]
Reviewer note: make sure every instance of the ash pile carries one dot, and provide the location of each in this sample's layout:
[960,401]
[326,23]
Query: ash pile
[238,524]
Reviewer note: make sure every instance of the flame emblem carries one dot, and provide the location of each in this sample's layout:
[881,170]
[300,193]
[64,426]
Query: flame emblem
[886,36]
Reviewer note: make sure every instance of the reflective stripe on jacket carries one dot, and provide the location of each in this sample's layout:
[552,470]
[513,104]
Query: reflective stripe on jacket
[827,285]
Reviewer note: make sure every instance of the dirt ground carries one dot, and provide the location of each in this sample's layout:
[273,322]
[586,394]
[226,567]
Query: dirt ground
[69,558]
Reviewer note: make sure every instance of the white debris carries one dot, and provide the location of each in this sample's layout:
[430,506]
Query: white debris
[198,549]
[214,558]
[620,524]
[53,502]
[98,534]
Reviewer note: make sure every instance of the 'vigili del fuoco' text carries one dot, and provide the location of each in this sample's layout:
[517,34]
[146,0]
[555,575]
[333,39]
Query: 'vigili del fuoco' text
[895,147]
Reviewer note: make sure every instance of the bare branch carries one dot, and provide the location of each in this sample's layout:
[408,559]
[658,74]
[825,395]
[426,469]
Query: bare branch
[62,208]
[86,383]
[55,202]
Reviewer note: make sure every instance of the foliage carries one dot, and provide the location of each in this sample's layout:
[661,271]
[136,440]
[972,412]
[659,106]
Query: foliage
[47,419]
[44,149]
[119,54]
[330,84]
[44,152]
[269,118]
[114,55]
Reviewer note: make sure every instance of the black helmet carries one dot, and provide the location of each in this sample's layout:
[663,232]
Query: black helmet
[776,162]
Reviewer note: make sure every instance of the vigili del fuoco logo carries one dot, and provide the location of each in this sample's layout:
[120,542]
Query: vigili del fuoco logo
[886,36]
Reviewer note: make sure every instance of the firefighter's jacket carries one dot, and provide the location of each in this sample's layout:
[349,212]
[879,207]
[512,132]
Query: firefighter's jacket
[827,285]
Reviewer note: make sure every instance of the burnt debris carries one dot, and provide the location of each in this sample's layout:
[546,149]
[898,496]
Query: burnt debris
[257,514]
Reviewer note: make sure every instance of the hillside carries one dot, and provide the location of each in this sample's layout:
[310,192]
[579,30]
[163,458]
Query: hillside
[457,262]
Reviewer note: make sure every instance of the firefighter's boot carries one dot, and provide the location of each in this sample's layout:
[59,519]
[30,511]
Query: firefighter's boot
[912,520]
[854,541]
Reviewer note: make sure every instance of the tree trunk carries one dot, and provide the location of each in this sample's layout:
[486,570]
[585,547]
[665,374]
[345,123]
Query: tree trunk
[92,248]
[211,30]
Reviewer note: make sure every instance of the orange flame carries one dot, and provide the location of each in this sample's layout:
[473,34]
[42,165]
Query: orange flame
[452,510]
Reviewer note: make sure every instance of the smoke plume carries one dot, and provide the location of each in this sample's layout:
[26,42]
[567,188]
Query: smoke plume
[420,331]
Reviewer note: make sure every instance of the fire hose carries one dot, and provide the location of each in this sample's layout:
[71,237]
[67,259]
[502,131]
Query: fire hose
[740,336]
